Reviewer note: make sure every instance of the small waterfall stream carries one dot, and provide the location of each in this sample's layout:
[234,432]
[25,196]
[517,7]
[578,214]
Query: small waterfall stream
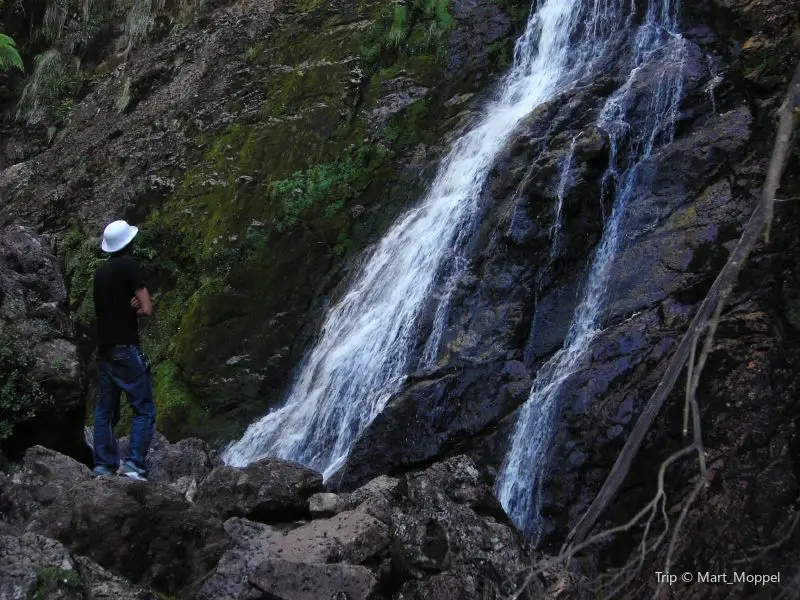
[363,351]
[555,228]
[527,460]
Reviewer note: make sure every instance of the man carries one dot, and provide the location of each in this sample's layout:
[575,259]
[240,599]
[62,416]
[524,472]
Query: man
[120,296]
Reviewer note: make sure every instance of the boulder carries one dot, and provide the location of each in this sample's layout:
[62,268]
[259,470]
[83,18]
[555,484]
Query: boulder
[181,466]
[430,416]
[460,584]
[33,566]
[269,490]
[144,532]
[435,528]
[324,505]
[102,585]
[22,558]
[284,580]
[352,537]
[251,544]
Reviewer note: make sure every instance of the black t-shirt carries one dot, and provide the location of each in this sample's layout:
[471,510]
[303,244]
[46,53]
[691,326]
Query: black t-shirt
[115,283]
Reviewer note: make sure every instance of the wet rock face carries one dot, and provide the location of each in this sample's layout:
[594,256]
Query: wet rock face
[33,308]
[432,416]
[517,301]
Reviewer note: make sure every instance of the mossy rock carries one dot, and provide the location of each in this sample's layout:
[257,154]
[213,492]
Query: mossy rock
[274,205]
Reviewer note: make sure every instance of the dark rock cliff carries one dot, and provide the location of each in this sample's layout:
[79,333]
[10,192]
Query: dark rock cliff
[263,146]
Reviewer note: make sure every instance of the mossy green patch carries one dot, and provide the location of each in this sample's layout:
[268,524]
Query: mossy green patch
[273,205]
[53,583]
[81,256]
[412,29]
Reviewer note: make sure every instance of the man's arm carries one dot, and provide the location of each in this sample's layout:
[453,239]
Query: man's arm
[141,297]
[142,302]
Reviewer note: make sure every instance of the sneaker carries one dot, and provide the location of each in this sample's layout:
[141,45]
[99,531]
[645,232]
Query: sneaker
[102,471]
[128,469]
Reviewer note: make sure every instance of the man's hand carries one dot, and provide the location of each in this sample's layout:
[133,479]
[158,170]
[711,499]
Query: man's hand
[142,303]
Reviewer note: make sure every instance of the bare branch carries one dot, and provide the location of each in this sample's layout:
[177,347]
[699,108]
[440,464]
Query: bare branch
[689,380]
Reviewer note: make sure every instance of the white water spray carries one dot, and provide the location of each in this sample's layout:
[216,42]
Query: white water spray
[527,461]
[363,352]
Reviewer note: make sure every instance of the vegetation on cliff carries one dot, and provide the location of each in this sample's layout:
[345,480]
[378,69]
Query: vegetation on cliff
[9,55]
[21,396]
[350,119]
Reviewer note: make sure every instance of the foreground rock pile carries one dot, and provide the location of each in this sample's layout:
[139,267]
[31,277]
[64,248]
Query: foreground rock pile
[206,531]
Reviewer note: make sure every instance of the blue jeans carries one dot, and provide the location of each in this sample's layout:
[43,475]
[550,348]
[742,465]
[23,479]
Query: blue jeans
[123,369]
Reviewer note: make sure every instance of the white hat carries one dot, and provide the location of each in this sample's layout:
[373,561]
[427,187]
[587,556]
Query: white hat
[117,235]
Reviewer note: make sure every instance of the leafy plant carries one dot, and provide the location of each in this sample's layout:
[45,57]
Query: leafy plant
[399,30]
[81,256]
[9,55]
[326,187]
[21,396]
[417,27]
[52,582]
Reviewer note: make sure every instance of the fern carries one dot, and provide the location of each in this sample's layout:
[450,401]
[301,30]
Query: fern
[9,56]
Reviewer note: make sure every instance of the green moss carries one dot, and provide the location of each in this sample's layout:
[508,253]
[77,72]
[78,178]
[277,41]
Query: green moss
[308,5]
[178,412]
[327,188]
[501,53]
[517,10]
[264,218]
[398,32]
[254,51]
[81,256]
[54,583]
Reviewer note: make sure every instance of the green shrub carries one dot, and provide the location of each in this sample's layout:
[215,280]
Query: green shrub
[326,187]
[9,55]
[21,396]
[81,256]
[419,27]
[52,582]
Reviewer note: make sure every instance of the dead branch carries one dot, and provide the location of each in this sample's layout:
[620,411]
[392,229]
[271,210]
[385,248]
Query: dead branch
[757,224]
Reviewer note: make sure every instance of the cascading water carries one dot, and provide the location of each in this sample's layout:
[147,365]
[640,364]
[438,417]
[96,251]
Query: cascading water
[555,229]
[363,352]
[655,42]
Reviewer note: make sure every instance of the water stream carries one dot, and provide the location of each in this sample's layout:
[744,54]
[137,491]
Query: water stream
[654,43]
[364,350]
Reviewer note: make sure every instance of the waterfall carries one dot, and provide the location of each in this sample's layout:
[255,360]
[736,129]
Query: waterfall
[364,350]
[526,464]
[555,228]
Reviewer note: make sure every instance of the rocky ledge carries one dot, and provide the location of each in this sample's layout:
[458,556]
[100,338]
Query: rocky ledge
[202,530]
